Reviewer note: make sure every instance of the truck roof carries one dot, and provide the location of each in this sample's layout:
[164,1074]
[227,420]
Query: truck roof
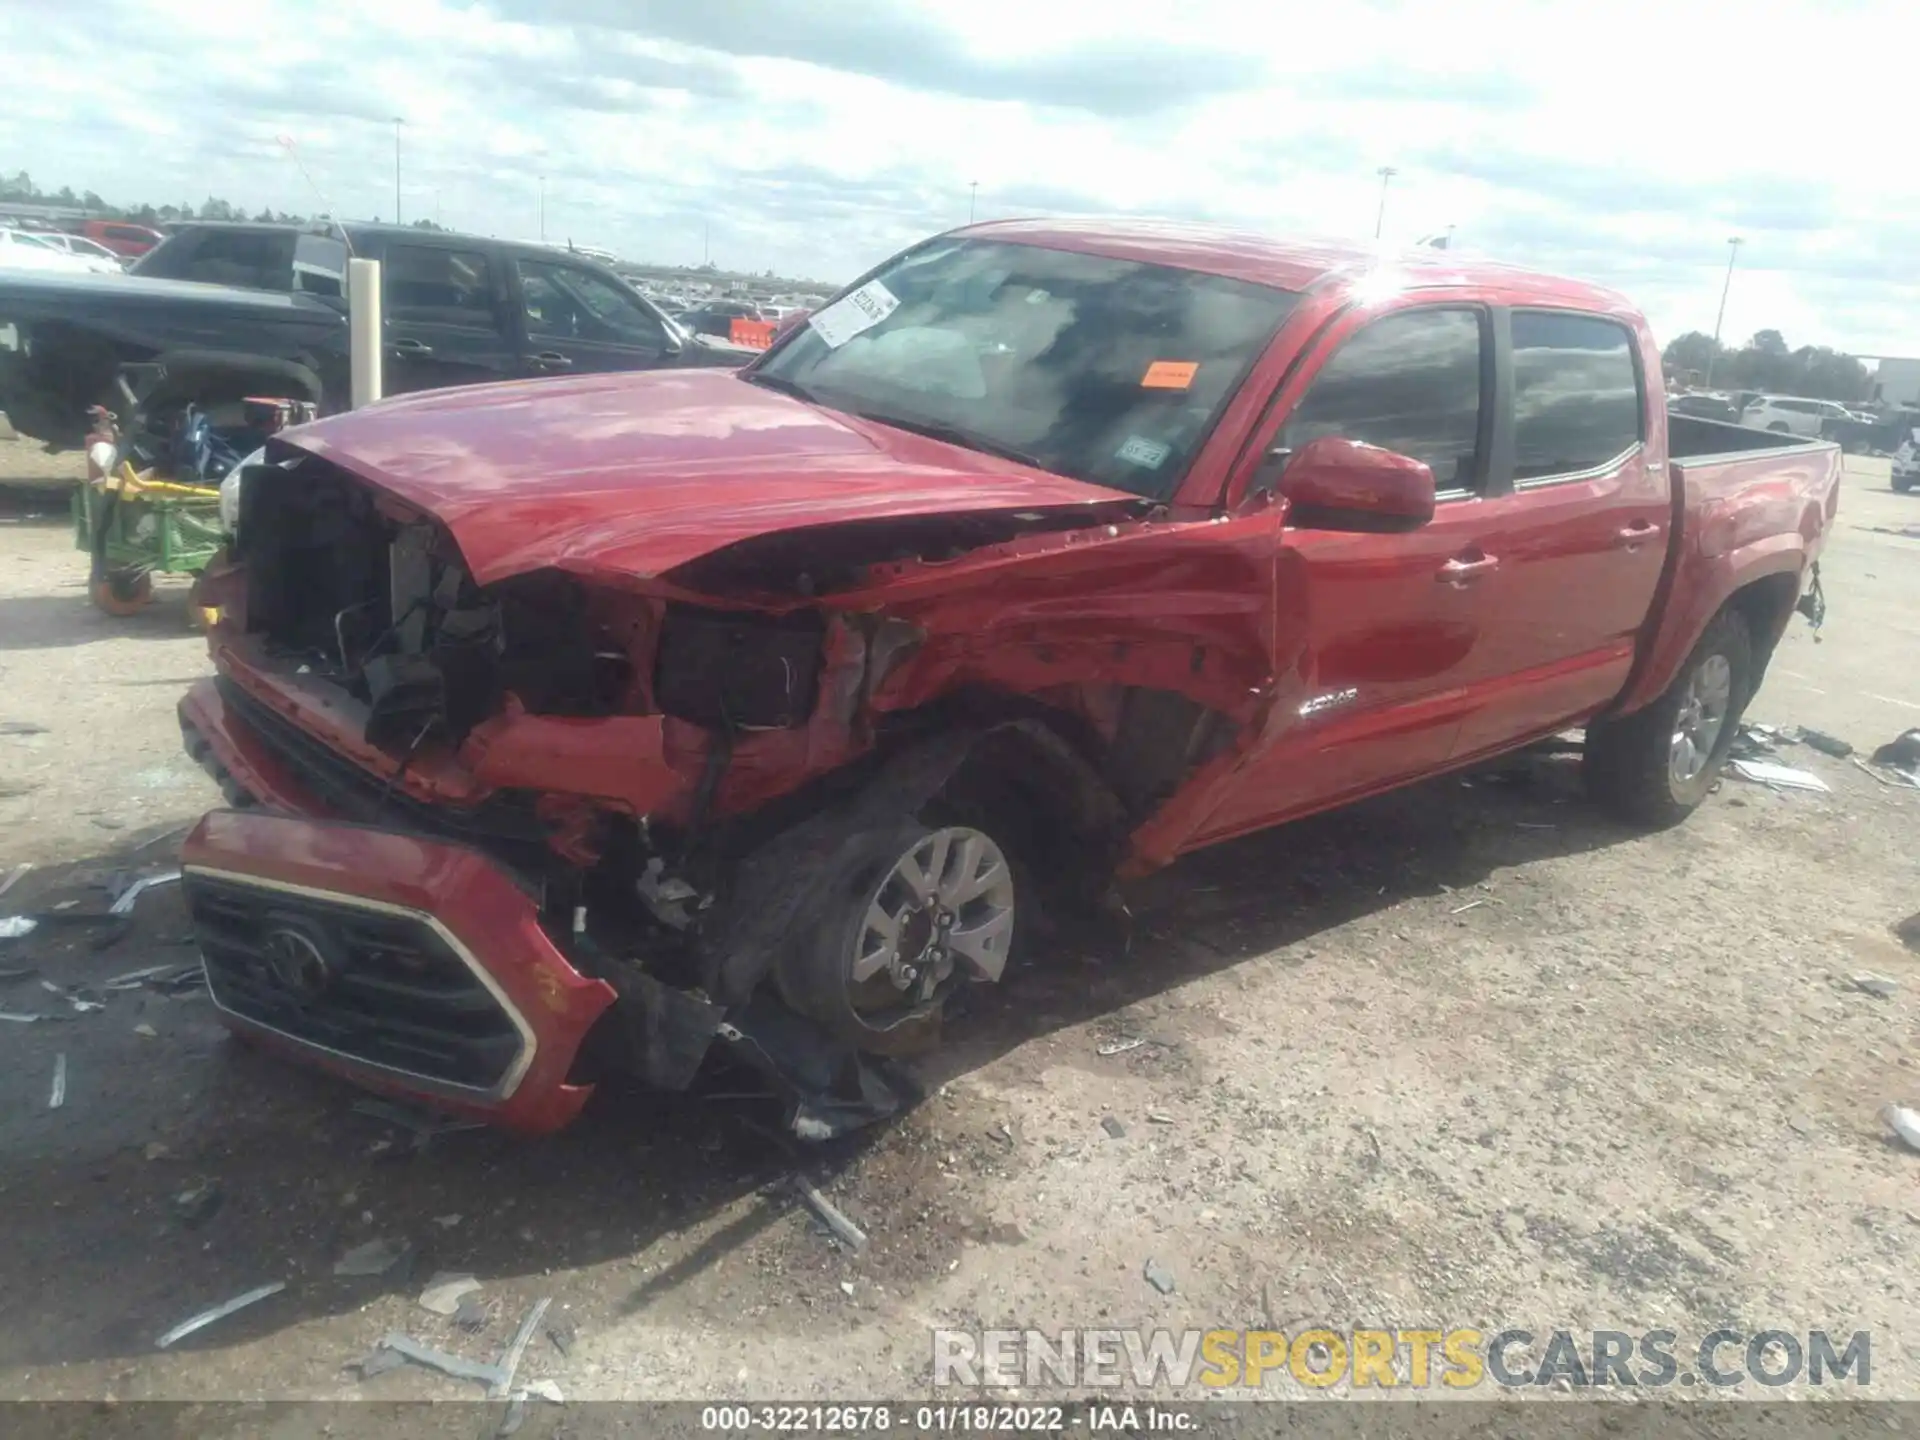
[1296,263]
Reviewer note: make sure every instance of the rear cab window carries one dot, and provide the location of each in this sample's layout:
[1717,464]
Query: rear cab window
[250,259]
[1577,403]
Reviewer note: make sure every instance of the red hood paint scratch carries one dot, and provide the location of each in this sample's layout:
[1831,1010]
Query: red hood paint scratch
[635,474]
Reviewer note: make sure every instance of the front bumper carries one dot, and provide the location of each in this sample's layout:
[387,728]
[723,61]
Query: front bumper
[407,964]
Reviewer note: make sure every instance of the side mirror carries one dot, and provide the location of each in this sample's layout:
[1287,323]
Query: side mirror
[1337,484]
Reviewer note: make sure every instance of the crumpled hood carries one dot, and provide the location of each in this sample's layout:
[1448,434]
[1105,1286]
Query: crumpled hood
[640,473]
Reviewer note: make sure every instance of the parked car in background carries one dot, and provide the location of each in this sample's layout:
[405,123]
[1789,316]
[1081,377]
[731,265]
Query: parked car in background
[25,250]
[1704,407]
[716,317]
[267,314]
[594,726]
[1906,463]
[109,263]
[1793,415]
[123,237]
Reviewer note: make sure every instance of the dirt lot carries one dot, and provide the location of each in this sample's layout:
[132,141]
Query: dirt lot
[1469,1055]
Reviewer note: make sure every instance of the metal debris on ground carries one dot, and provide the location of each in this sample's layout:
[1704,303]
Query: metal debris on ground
[473,1315]
[218,1312]
[1881,987]
[19,1019]
[17,927]
[562,1333]
[446,1222]
[830,1215]
[59,1095]
[1903,1122]
[444,1292]
[376,1257]
[1120,1047]
[378,1363]
[517,1347]
[14,876]
[547,1390]
[1113,1127]
[1158,1276]
[1752,742]
[1156,1117]
[1470,905]
[147,1030]
[123,903]
[21,727]
[1777,777]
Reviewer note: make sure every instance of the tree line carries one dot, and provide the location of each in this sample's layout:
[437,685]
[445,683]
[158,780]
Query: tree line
[1765,363]
[19,189]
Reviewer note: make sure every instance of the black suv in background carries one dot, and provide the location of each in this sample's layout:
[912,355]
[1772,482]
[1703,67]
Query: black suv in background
[229,310]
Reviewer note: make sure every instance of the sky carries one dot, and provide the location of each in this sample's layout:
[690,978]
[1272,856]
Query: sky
[1624,143]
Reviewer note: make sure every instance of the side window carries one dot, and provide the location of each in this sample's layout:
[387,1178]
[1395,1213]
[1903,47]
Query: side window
[1410,383]
[567,302]
[1576,393]
[427,285]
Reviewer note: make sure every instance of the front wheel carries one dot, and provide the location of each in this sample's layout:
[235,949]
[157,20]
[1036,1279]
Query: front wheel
[122,592]
[1902,484]
[907,915]
[1655,766]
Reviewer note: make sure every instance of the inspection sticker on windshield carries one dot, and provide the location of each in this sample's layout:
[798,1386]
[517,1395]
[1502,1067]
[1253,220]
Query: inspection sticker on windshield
[1169,375]
[1149,454]
[854,312]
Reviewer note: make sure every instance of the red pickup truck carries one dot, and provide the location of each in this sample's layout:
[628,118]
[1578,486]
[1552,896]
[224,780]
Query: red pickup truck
[645,721]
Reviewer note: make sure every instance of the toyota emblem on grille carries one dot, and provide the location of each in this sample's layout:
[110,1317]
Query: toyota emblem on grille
[297,965]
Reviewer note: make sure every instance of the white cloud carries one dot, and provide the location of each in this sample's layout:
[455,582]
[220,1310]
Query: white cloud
[1624,144]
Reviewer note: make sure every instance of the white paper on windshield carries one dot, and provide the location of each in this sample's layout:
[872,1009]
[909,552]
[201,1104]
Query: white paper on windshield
[852,313]
[1150,454]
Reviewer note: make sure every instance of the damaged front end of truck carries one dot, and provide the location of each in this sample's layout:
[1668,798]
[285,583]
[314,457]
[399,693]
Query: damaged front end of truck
[518,803]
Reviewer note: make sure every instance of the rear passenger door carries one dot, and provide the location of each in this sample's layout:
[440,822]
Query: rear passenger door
[1581,532]
[446,318]
[573,318]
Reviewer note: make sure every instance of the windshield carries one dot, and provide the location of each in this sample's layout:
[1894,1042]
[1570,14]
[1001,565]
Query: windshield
[1107,371]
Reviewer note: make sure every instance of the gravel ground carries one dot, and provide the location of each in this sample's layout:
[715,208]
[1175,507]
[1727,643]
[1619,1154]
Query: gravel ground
[1466,1055]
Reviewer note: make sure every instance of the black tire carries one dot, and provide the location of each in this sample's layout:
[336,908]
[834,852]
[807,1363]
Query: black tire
[1902,484]
[1629,766]
[814,972]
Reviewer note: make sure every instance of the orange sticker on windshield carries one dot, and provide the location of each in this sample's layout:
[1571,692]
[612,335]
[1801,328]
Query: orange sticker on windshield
[1169,375]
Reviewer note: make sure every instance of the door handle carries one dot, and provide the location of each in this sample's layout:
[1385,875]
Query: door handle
[411,349]
[1464,572]
[553,360]
[1638,533]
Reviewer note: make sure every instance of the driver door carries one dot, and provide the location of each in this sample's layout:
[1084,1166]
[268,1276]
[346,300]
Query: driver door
[1377,637]
[576,319]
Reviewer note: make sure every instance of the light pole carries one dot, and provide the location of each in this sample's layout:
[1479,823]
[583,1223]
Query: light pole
[397,123]
[1734,242]
[1386,174]
[973,198]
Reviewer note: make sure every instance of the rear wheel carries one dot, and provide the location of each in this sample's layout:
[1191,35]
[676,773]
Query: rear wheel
[1655,766]
[909,914]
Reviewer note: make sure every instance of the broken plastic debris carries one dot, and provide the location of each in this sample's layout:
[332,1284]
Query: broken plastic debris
[1781,777]
[447,1222]
[547,1390]
[830,1215]
[1903,1122]
[16,927]
[1120,1047]
[59,1095]
[124,902]
[1881,987]
[218,1312]
[1826,744]
[147,1030]
[443,1292]
[455,1365]
[376,1257]
[1158,1276]
[510,1362]
[20,1019]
